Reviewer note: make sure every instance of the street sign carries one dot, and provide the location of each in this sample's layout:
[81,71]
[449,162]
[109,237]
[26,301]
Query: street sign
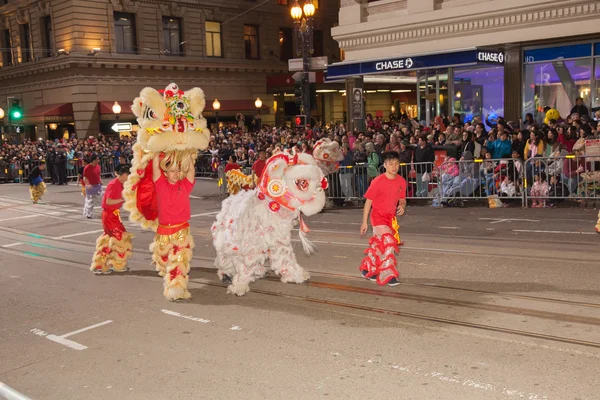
[312,76]
[122,127]
[295,64]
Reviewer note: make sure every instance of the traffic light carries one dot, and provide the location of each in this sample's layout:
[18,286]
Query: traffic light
[16,111]
[300,121]
[298,93]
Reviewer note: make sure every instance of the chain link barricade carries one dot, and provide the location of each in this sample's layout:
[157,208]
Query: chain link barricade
[552,180]
[489,179]
[222,180]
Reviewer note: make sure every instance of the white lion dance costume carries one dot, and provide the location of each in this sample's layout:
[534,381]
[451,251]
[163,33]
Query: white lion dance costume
[327,153]
[172,128]
[256,225]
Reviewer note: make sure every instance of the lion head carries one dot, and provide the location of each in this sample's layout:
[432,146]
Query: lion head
[328,154]
[171,119]
[294,182]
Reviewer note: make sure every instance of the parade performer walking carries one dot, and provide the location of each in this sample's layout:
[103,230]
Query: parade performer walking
[37,187]
[386,197]
[173,244]
[172,130]
[113,247]
[93,186]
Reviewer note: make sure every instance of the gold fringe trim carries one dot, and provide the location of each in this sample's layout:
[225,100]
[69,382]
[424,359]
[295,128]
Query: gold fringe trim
[100,257]
[36,192]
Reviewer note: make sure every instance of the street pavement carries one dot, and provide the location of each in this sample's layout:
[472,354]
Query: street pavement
[493,304]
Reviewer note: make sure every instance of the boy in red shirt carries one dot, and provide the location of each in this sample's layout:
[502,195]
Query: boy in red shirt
[387,196]
[93,186]
[113,247]
[258,167]
[173,244]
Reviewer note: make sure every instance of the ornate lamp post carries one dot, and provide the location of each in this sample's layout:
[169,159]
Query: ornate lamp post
[303,27]
[116,109]
[258,105]
[217,107]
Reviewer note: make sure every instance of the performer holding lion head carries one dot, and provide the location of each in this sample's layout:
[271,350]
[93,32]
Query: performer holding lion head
[172,130]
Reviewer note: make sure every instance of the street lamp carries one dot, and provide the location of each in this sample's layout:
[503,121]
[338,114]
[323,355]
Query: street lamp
[217,107]
[258,105]
[1,113]
[116,109]
[303,27]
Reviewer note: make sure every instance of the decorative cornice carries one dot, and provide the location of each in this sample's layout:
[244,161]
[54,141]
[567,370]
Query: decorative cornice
[469,25]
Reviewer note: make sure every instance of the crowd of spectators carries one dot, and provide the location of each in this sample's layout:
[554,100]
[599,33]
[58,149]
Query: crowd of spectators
[500,146]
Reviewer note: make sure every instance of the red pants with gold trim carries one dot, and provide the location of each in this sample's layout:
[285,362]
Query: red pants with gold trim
[172,254]
[113,247]
[380,260]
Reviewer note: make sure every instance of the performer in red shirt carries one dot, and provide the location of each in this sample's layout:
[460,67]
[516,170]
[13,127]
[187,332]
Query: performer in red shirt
[258,167]
[113,247]
[93,186]
[387,198]
[173,244]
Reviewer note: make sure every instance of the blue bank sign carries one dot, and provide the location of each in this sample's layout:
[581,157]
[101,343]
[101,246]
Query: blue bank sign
[469,57]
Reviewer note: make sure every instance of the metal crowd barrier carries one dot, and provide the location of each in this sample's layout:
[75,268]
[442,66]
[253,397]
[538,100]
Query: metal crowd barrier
[205,167]
[551,180]
[19,172]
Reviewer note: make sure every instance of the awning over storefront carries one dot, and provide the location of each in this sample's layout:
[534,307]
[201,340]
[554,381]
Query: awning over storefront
[342,70]
[49,113]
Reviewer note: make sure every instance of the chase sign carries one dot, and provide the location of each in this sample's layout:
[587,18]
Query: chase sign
[439,60]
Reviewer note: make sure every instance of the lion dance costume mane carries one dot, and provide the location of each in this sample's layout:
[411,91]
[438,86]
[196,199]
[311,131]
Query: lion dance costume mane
[256,225]
[172,128]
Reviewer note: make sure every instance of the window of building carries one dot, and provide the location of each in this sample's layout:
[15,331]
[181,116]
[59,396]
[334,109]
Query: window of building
[26,55]
[286,44]
[125,33]
[173,36]
[7,58]
[318,44]
[556,77]
[478,92]
[214,44]
[282,2]
[251,42]
[47,37]
[596,96]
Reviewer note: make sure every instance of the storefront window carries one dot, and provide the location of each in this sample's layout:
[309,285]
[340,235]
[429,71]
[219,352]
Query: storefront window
[596,97]
[479,92]
[556,84]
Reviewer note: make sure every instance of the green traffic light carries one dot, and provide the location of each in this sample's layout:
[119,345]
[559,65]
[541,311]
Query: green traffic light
[17,114]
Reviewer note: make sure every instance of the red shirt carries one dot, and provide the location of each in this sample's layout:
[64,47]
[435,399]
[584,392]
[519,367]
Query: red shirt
[258,167]
[385,194]
[113,191]
[231,166]
[173,200]
[92,174]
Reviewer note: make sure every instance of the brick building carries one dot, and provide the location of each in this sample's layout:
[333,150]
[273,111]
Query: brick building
[68,61]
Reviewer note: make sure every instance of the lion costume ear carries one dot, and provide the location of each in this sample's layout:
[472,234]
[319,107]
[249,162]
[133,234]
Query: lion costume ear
[151,99]
[197,101]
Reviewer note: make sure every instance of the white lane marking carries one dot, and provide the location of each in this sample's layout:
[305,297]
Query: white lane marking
[12,244]
[196,197]
[562,232]
[63,338]
[235,328]
[78,234]
[402,248]
[10,393]
[448,227]
[31,216]
[205,214]
[176,314]
[499,220]
[66,342]
[487,387]
[86,328]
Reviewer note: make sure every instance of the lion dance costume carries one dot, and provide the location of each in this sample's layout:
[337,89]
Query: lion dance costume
[256,225]
[37,188]
[172,128]
[113,247]
[237,180]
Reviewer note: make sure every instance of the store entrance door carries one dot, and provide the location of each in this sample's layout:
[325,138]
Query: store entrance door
[432,94]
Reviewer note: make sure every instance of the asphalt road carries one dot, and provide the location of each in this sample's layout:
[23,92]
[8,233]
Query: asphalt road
[493,304]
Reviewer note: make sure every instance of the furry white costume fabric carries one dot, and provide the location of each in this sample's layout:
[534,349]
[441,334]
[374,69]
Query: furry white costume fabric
[171,125]
[256,225]
[328,154]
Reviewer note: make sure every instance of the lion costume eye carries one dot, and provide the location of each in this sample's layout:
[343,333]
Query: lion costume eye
[149,113]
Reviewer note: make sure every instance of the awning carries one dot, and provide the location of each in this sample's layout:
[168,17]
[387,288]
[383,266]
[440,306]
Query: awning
[49,113]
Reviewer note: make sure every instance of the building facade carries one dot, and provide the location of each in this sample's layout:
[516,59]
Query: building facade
[68,61]
[473,57]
